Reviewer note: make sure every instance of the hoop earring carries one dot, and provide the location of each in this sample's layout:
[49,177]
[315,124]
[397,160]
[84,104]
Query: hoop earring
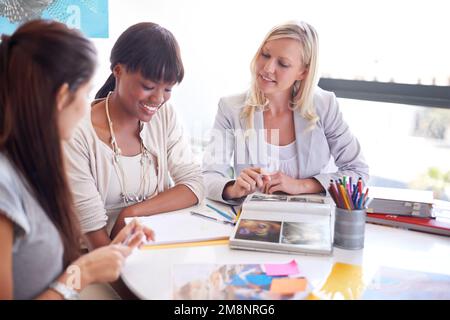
[295,88]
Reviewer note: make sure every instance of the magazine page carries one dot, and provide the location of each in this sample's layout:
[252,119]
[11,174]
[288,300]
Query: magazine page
[401,284]
[235,282]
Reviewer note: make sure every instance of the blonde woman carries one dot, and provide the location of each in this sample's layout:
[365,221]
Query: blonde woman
[285,134]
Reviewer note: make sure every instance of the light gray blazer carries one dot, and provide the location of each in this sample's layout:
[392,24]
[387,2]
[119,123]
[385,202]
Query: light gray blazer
[328,151]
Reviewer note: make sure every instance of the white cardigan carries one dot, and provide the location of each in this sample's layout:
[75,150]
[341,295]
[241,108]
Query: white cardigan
[89,164]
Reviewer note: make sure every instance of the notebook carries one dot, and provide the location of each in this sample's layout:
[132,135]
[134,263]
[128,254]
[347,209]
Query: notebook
[181,226]
[438,225]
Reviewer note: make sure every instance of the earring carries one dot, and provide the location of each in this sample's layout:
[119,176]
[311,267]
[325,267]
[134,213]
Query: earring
[295,88]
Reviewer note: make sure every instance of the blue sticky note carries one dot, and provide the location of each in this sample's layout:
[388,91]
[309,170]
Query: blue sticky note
[259,279]
[237,281]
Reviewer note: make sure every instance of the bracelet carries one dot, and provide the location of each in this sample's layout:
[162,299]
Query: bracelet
[66,292]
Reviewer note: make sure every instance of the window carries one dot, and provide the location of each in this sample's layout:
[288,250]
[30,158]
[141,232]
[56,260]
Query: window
[393,52]
[405,146]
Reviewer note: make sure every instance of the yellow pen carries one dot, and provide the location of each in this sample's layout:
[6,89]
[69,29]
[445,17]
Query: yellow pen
[239,214]
[344,197]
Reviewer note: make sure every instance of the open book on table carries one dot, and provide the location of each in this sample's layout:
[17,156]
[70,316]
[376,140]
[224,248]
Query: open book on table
[182,227]
[287,224]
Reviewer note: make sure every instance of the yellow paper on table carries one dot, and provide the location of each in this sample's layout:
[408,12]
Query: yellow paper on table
[185,244]
[345,282]
[285,286]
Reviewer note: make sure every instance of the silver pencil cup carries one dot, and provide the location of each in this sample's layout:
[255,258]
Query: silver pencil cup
[349,227]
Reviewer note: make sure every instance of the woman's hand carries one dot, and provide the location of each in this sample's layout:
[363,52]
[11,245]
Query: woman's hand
[278,181]
[134,234]
[101,265]
[247,182]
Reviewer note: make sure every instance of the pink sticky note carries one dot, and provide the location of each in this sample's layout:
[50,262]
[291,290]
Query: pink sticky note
[284,269]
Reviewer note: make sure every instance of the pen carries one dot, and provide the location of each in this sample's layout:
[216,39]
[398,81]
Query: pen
[344,197]
[354,196]
[351,185]
[211,218]
[126,241]
[234,211]
[223,214]
[239,214]
[364,201]
[360,185]
[334,194]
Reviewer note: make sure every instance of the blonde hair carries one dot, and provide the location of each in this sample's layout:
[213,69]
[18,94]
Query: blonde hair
[302,91]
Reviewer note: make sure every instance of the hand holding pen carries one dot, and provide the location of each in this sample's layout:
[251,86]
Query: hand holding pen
[134,235]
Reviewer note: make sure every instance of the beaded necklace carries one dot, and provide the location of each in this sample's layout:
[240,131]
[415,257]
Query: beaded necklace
[145,163]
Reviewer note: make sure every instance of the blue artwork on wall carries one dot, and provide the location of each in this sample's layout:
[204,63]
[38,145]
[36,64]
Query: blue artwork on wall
[90,16]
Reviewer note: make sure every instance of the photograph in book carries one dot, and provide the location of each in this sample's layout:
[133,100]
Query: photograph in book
[305,233]
[265,197]
[259,230]
[284,202]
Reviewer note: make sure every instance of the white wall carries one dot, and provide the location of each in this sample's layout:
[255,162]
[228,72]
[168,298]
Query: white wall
[404,40]
[384,39]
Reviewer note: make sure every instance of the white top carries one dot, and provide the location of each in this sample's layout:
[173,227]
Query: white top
[284,159]
[132,169]
[90,169]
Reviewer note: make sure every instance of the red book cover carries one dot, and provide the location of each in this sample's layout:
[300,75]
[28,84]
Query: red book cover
[438,225]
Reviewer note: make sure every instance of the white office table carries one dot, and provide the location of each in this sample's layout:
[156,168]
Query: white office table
[148,272]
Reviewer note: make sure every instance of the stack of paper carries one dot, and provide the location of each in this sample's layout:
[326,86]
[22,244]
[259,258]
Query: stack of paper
[402,202]
[438,224]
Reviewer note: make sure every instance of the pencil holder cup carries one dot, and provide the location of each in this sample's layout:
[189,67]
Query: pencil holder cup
[349,229]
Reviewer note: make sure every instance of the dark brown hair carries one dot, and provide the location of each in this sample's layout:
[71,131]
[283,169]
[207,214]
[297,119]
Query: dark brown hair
[150,49]
[34,63]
